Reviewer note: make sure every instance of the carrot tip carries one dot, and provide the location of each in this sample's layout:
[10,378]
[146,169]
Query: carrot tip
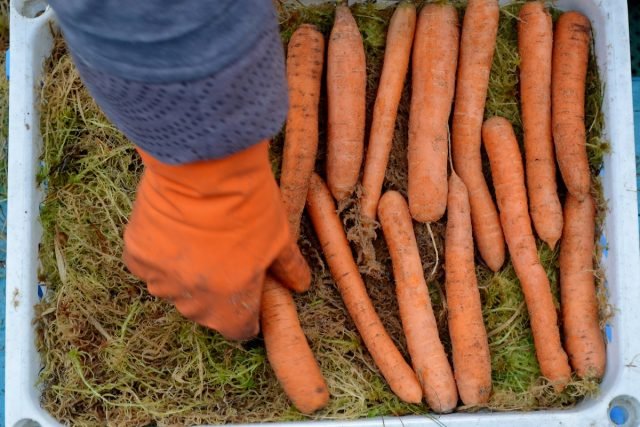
[340,194]
[495,265]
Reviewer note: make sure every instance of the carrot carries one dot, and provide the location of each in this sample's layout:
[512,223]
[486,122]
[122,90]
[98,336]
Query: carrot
[346,91]
[385,110]
[470,346]
[427,353]
[288,351]
[333,241]
[570,59]
[435,56]
[535,44]
[582,335]
[305,56]
[479,31]
[508,179]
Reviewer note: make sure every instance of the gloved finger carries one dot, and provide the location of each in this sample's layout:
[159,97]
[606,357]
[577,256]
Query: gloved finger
[190,305]
[235,315]
[160,290]
[234,324]
[240,329]
[136,266]
[291,269]
[156,282]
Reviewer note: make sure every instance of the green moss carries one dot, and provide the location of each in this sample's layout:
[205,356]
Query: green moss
[112,352]
[502,97]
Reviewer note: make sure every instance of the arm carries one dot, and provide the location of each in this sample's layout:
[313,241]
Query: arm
[198,89]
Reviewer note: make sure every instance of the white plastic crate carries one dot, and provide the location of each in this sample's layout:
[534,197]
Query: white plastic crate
[31,43]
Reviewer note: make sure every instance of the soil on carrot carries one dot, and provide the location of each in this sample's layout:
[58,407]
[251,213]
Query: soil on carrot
[112,354]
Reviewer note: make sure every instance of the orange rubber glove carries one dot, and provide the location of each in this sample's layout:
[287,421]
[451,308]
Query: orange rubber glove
[203,236]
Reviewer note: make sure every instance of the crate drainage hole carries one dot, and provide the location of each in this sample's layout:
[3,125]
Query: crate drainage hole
[624,411]
[31,8]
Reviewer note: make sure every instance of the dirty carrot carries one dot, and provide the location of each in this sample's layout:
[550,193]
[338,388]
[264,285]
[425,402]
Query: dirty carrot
[508,178]
[478,40]
[305,56]
[582,336]
[287,347]
[570,58]
[337,253]
[346,92]
[385,110]
[288,351]
[470,347]
[427,353]
[435,56]
[535,45]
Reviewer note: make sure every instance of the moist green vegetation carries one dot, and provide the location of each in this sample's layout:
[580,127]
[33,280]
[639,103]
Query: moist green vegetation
[113,354]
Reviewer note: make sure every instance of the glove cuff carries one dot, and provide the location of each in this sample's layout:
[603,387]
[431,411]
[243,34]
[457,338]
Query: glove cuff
[235,198]
[247,167]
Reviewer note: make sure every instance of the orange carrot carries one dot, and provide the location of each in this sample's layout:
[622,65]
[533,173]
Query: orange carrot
[337,253]
[470,347]
[508,178]
[385,110]
[570,59]
[346,91]
[582,336]
[305,55]
[478,40]
[535,44]
[288,351]
[435,56]
[427,353]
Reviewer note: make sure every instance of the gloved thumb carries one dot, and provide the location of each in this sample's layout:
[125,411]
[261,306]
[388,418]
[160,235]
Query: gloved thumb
[291,269]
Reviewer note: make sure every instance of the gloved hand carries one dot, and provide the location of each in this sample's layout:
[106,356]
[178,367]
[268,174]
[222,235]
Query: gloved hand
[203,236]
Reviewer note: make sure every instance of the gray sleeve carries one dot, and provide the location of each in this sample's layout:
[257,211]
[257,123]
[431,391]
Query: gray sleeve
[185,115]
[163,40]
